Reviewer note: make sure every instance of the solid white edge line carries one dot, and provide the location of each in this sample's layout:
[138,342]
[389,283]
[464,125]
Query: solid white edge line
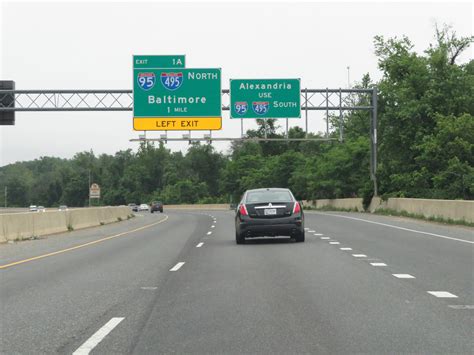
[442,294]
[199,245]
[177,266]
[396,227]
[404,276]
[97,337]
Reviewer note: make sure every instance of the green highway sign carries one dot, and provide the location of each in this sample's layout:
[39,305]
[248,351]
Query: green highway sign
[265,98]
[176,93]
[158,61]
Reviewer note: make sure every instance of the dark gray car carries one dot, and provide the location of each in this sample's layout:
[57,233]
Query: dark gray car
[269,212]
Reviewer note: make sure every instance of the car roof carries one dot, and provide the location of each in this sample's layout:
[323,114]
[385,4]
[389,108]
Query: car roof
[269,189]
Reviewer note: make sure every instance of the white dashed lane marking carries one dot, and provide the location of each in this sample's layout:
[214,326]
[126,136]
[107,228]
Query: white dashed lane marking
[318,234]
[325,238]
[177,266]
[311,231]
[334,243]
[199,245]
[401,228]
[378,264]
[209,233]
[442,294]
[149,288]
[345,248]
[359,255]
[461,306]
[213,226]
[95,339]
[404,276]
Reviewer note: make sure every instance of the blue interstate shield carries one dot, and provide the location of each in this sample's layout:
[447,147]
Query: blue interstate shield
[146,80]
[172,81]
[241,107]
[260,107]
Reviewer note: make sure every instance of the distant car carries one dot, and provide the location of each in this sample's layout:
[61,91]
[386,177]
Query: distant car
[133,206]
[63,208]
[33,208]
[143,207]
[269,212]
[156,206]
[41,209]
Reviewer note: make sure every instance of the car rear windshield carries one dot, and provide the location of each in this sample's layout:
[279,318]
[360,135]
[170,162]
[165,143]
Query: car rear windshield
[269,196]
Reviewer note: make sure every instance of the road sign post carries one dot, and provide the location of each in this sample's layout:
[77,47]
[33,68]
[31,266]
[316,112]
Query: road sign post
[94,191]
[265,98]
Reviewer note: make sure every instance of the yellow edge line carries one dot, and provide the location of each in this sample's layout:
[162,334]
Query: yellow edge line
[81,245]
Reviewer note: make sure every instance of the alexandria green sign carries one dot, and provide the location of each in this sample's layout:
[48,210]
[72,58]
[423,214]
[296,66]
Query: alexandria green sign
[176,92]
[265,98]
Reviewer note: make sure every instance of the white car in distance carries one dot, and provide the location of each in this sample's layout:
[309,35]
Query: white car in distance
[143,207]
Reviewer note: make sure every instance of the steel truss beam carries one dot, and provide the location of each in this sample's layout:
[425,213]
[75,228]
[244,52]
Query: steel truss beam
[122,100]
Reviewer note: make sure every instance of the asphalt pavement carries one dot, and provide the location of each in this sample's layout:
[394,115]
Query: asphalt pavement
[177,283]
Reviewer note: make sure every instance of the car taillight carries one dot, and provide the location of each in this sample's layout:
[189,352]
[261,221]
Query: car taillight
[243,210]
[296,208]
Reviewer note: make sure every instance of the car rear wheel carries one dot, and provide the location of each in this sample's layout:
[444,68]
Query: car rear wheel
[239,238]
[300,237]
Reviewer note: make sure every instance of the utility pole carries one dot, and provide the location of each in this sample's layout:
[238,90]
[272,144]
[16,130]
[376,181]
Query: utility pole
[89,187]
[348,77]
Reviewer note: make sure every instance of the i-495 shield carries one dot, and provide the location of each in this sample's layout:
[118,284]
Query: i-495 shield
[260,107]
[172,81]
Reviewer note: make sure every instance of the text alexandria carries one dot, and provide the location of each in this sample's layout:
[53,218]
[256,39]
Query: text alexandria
[275,86]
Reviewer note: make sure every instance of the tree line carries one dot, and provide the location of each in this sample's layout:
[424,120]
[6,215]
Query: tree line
[425,135]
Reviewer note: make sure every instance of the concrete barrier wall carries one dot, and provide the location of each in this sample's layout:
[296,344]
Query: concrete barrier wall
[341,203]
[454,209]
[216,206]
[18,226]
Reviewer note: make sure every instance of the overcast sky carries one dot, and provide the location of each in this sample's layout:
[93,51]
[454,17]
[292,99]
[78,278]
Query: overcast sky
[89,45]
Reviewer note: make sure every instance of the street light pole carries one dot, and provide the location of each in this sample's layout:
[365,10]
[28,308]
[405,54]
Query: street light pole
[89,187]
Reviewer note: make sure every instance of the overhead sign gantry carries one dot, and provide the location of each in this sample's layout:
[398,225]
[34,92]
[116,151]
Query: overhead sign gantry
[170,88]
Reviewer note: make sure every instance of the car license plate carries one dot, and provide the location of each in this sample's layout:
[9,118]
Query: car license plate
[270,212]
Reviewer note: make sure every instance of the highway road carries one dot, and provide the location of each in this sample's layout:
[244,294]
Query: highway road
[177,283]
